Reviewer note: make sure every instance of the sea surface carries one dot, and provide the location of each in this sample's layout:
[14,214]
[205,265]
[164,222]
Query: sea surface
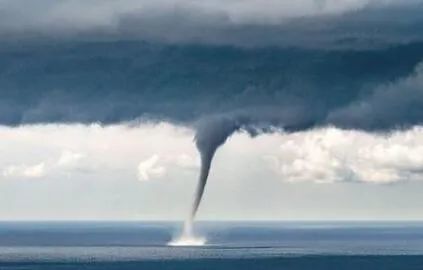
[230,245]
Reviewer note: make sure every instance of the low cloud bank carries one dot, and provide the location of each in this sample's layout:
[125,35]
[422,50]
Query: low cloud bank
[333,155]
[322,155]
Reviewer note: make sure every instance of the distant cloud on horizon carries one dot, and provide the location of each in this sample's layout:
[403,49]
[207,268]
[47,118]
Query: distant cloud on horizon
[323,155]
[25,171]
[332,155]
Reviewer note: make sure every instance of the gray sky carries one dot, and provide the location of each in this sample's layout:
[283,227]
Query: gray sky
[319,102]
[247,23]
[150,172]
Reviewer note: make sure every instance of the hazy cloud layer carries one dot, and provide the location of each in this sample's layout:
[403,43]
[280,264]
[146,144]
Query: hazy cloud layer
[156,166]
[24,171]
[316,23]
[77,15]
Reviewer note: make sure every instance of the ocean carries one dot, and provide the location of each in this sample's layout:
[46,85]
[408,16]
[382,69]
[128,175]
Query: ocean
[229,245]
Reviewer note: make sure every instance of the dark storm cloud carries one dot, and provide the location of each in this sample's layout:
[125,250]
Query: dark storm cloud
[111,82]
[218,66]
[292,75]
[399,104]
[370,27]
[305,23]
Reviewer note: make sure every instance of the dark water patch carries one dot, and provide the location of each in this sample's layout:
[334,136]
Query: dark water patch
[286,263]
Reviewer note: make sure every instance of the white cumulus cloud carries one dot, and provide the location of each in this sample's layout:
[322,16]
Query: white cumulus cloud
[157,166]
[331,155]
[69,158]
[149,169]
[25,171]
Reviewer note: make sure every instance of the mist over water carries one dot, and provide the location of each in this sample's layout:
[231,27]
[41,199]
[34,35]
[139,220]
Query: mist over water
[188,238]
